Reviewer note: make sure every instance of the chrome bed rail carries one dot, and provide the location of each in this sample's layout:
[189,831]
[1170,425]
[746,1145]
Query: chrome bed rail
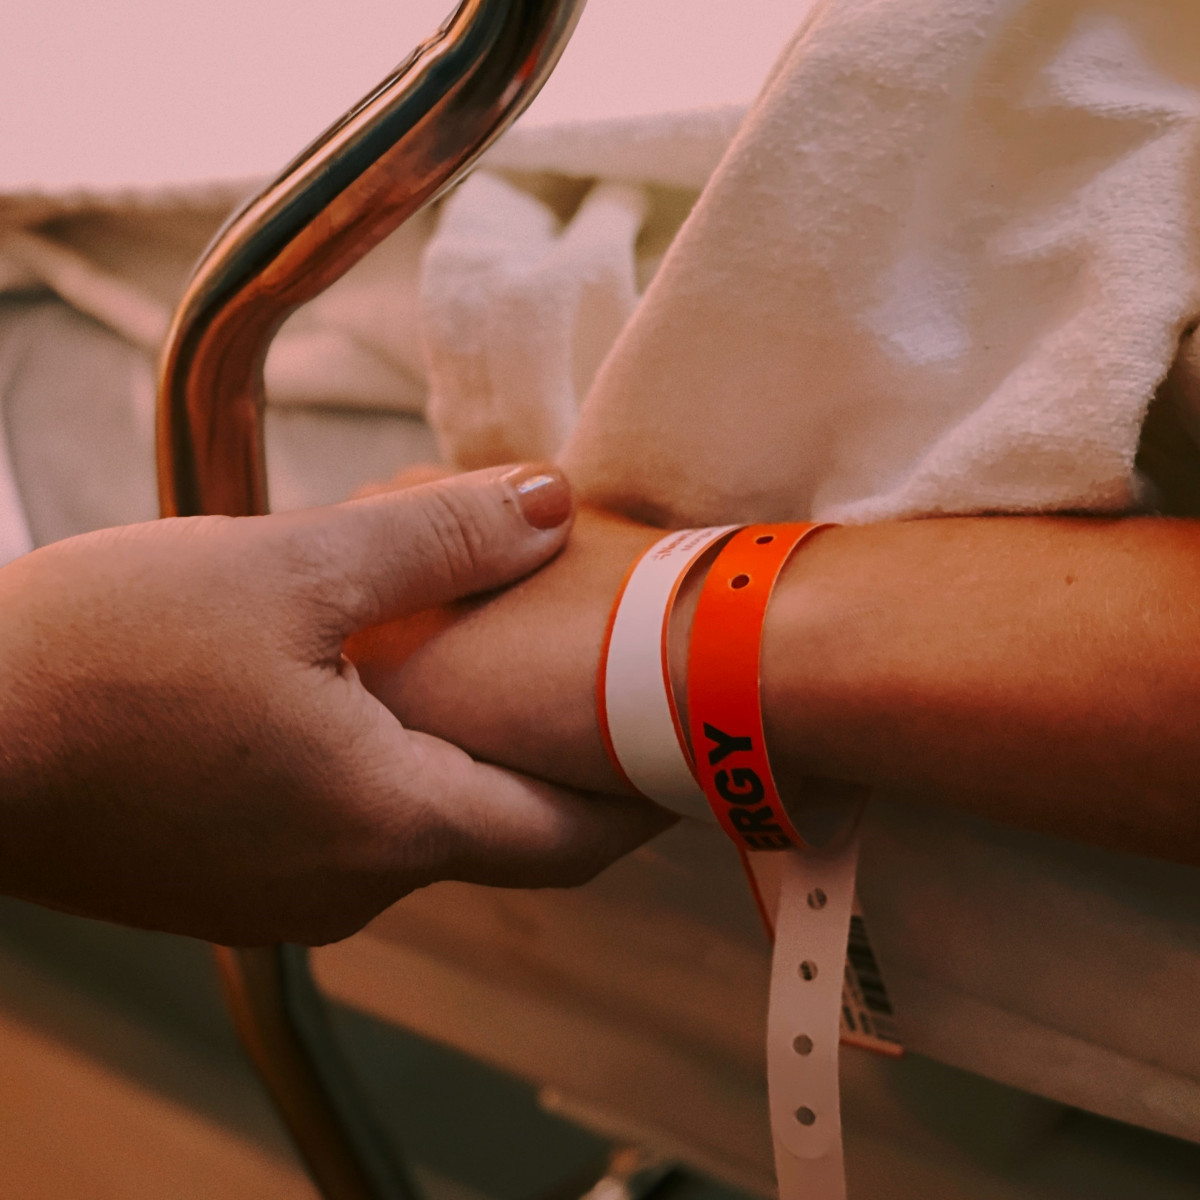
[400,147]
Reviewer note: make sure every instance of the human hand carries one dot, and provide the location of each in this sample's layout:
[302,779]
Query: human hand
[512,676]
[183,745]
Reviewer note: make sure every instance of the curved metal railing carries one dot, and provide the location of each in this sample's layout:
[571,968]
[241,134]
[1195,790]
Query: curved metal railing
[401,146]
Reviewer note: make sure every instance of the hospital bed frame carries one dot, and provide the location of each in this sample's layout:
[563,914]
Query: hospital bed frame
[400,147]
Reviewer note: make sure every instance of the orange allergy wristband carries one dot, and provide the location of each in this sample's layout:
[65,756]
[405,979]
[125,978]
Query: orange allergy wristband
[724,704]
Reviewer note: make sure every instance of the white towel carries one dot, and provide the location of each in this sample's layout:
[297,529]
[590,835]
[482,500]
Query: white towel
[518,315]
[944,266]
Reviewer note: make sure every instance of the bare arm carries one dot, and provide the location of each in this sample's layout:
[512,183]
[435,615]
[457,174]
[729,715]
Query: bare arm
[1043,672]
[1040,671]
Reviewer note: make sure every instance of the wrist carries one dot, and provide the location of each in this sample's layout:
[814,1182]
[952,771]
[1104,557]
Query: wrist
[797,665]
[820,683]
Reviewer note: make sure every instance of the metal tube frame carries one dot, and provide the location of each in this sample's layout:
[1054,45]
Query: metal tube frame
[399,148]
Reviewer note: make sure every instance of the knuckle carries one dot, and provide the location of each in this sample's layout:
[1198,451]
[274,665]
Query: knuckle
[305,555]
[305,580]
[457,541]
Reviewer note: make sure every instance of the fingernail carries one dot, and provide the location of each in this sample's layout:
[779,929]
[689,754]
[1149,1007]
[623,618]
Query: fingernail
[543,495]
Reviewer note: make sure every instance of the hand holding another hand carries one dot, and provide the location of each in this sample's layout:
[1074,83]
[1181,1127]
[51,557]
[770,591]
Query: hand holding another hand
[512,676]
[185,747]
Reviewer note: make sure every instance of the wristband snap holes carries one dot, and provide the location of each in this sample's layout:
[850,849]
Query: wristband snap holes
[817,899]
[739,581]
[802,1044]
[808,970]
[806,1116]
[766,537]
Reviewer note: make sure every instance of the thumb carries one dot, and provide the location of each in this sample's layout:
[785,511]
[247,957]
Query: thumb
[386,556]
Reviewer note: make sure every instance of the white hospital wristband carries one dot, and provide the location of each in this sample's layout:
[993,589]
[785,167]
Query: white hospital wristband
[636,708]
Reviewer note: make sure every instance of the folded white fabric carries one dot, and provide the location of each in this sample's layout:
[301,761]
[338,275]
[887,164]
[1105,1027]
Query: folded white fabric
[530,276]
[518,315]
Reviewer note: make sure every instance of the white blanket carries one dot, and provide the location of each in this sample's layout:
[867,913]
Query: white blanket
[941,269]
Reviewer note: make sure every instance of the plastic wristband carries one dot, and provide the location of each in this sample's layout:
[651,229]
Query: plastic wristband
[724,709]
[639,720]
[813,889]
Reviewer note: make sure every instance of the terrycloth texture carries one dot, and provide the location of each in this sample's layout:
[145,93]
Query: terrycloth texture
[532,274]
[519,316]
[941,269]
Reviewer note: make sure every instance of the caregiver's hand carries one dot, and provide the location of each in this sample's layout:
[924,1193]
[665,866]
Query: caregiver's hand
[513,677]
[183,746]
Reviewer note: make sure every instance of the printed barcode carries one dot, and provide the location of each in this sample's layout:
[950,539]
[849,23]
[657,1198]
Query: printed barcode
[862,959]
[866,1009]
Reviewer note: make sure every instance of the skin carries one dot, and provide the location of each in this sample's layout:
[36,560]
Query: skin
[1038,671]
[185,747]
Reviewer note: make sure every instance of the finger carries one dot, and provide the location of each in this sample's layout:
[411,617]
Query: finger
[387,556]
[508,830]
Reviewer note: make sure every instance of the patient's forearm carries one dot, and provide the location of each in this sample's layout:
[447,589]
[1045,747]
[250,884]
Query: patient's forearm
[1042,671]
[1045,672]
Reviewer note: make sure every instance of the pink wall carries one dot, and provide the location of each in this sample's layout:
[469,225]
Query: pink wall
[149,91]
